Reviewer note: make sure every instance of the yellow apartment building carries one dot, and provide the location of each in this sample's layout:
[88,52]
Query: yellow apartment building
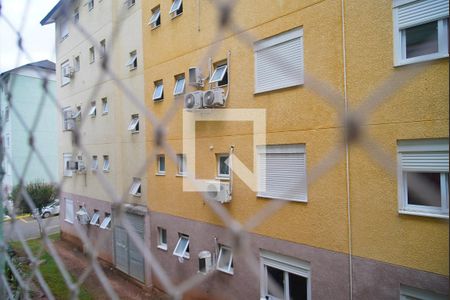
[97,111]
[364,227]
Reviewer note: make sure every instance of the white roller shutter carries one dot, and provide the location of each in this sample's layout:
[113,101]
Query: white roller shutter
[69,217]
[420,12]
[430,162]
[282,172]
[279,61]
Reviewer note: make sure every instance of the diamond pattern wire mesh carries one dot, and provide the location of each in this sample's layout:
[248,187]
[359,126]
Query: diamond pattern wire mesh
[352,132]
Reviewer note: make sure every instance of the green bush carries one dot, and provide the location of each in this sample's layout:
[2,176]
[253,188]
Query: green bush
[41,193]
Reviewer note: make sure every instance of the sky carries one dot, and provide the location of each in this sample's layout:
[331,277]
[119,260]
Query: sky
[38,41]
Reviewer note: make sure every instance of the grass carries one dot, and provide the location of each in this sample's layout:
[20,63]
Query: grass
[49,269]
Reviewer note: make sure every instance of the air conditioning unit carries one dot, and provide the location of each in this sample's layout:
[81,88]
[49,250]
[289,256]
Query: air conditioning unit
[193,100]
[195,77]
[218,191]
[73,165]
[68,71]
[213,98]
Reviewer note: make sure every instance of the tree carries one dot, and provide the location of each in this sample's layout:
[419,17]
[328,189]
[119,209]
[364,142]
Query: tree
[41,193]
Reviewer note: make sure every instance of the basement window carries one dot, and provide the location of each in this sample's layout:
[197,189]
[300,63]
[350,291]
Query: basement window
[95,218]
[182,247]
[106,224]
[225,260]
[93,110]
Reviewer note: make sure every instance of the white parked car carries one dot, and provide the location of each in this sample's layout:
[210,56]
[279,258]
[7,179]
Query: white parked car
[51,209]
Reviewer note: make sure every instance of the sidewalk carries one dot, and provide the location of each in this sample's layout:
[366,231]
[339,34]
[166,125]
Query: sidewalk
[75,262]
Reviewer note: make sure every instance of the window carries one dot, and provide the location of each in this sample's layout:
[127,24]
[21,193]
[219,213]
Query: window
[282,172]
[76,15]
[67,159]
[423,177]
[220,75]
[158,94]
[181,164]
[130,3]
[225,260]
[6,113]
[106,164]
[179,85]
[155,20]
[132,63]
[134,124]
[94,163]
[63,28]
[106,224]
[135,188]
[410,293]
[69,216]
[77,116]
[176,9]
[420,30]
[90,4]
[182,247]
[76,63]
[105,106]
[102,48]
[279,61]
[95,220]
[162,238]
[91,55]
[284,277]
[93,110]
[223,168]
[161,165]
[65,72]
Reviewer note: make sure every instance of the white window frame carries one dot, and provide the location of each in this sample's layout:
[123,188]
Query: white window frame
[90,4]
[400,39]
[106,224]
[65,80]
[176,5]
[132,62]
[282,149]
[181,164]
[222,175]
[136,187]
[94,163]
[69,217]
[219,73]
[418,147]
[182,252]
[133,126]
[156,15]
[67,157]
[284,263]
[106,163]
[407,293]
[130,3]
[91,55]
[273,41]
[95,220]
[93,110]
[161,244]
[158,164]
[179,85]
[229,264]
[105,106]
[158,93]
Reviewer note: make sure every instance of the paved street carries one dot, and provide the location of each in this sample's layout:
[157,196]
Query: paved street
[29,228]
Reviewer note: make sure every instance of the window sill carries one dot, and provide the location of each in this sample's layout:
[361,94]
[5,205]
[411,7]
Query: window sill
[65,84]
[67,175]
[175,16]
[226,272]
[414,60]
[154,27]
[133,68]
[163,248]
[423,214]
[282,199]
[134,131]
[136,195]
[68,221]
[180,175]
[160,174]
[105,171]
[104,113]
[158,100]
[223,178]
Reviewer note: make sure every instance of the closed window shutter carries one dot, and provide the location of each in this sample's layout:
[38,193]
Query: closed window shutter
[427,162]
[282,174]
[279,62]
[69,210]
[420,12]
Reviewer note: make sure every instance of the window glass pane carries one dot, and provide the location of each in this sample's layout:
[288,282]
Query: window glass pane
[162,164]
[422,39]
[298,288]
[225,258]
[223,167]
[276,286]
[163,236]
[429,197]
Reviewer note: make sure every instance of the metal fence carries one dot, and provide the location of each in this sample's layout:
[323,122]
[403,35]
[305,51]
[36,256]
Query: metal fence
[352,128]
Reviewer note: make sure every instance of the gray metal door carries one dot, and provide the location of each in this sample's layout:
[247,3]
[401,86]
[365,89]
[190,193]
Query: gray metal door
[127,256]
[136,259]
[121,248]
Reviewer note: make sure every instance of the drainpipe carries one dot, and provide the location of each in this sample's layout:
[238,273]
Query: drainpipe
[347,163]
